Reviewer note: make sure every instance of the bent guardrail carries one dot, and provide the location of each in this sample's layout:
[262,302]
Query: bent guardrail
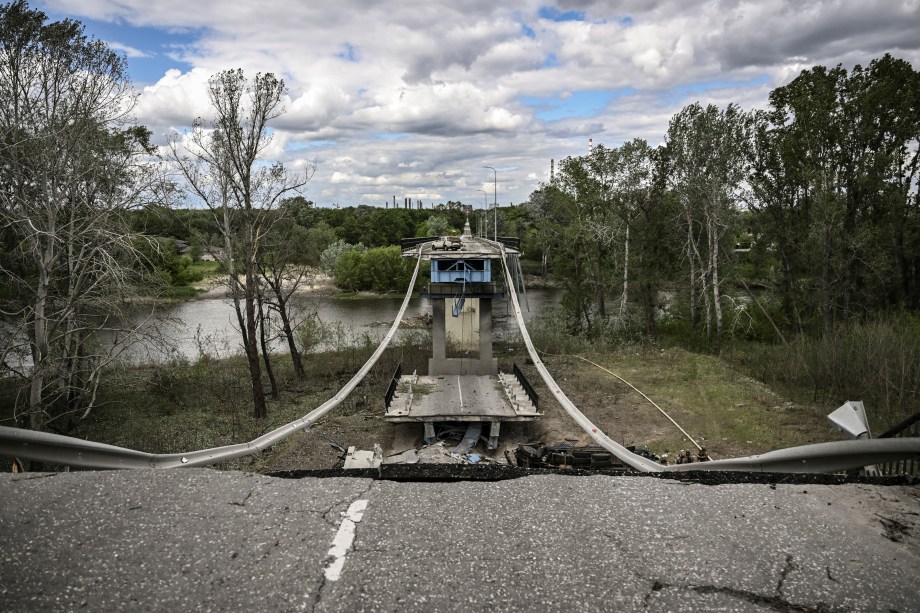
[821,457]
[69,451]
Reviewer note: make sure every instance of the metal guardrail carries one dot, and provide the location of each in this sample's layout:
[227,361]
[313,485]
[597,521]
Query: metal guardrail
[528,388]
[819,458]
[512,242]
[391,389]
[408,244]
[69,451]
[909,428]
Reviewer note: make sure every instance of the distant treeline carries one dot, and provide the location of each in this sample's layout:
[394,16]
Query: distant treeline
[370,226]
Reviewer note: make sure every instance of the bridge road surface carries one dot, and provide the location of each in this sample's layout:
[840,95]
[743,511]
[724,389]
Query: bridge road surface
[199,539]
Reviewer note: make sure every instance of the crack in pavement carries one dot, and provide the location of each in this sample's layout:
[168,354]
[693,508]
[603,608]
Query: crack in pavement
[243,502]
[339,503]
[776,602]
[788,568]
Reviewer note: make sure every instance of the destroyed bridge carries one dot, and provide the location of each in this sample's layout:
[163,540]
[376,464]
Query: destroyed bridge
[463,384]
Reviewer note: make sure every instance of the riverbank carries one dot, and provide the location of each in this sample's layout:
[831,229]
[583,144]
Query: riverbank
[316,283]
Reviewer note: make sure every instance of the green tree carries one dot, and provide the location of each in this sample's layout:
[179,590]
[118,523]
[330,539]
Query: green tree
[706,149]
[436,225]
[833,183]
[70,170]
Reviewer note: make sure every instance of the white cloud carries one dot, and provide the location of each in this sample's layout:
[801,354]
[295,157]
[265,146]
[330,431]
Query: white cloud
[129,51]
[414,97]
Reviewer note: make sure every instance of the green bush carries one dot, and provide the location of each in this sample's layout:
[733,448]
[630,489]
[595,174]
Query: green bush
[381,269]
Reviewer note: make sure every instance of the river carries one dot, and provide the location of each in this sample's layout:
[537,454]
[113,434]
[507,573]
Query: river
[209,326]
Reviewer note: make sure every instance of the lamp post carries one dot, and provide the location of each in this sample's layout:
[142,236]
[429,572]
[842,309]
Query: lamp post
[485,195]
[495,198]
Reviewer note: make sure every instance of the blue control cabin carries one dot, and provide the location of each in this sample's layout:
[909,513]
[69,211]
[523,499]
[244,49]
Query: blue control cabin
[461,271]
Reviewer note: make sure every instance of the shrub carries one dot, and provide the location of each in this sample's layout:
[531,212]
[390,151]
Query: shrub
[875,361]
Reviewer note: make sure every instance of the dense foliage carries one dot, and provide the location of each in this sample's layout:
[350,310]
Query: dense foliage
[813,200]
[70,170]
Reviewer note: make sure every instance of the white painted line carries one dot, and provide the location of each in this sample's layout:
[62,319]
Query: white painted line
[460,391]
[344,539]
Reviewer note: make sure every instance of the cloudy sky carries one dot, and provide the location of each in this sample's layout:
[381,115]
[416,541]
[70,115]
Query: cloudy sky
[411,98]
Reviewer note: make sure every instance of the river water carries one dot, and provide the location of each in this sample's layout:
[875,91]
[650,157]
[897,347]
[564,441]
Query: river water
[199,327]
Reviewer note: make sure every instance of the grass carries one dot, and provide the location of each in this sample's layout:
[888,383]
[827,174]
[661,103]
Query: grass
[726,411]
[180,406]
[204,268]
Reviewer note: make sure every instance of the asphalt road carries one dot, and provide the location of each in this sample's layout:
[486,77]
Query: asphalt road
[200,539]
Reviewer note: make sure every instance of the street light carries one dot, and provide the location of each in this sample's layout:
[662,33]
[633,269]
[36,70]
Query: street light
[495,198]
[485,195]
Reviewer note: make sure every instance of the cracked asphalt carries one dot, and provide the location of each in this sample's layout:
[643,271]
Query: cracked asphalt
[202,540]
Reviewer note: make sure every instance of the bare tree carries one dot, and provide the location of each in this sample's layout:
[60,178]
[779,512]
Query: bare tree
[72,164]
[223,167]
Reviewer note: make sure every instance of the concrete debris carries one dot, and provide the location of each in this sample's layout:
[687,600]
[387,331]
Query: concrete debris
[359,458]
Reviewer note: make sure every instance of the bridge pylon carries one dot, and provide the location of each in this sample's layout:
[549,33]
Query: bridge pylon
[463,382]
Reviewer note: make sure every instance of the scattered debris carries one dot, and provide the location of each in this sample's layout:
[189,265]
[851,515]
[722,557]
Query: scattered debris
[564,455]
[359,458]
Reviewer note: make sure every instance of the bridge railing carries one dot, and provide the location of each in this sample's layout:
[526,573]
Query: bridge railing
[909,428]
[391,389]
[408,244]
[528,388]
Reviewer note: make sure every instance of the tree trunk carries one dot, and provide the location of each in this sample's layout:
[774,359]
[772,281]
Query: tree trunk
[714,267]
[259,410]
[39,355]
[289,334]
[694,312]
[624,298]
[265,354]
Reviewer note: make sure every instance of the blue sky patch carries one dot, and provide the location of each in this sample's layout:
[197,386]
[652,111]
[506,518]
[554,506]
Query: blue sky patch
[552,13]
[350,53]
[155,43]
[528,31]
[579,104]
[306,145]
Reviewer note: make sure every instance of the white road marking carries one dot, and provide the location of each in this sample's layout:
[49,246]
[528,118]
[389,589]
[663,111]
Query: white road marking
[344,539]
[460,391]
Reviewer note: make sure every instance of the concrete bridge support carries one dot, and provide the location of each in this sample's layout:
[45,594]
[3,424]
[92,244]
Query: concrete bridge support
[440,364]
